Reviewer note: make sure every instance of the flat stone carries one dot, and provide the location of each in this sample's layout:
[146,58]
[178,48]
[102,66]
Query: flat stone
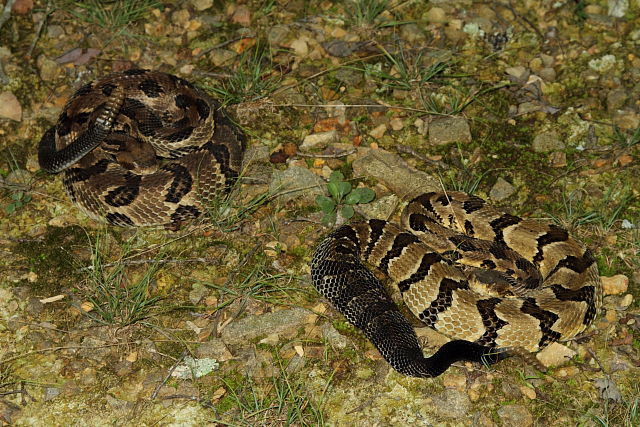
[519,72]
[300,47]
[379,208]
[528,107]
[626,119]
[391,170]
[333,337]
[277,34]
[378,131]
[451,403]
[201,5]
[515,415]
[251,327]
[618,8]
[614,285]
[412,33]
[444,130]
[10,107]
[547,141]
[220,57]
[548,74]
[501,190]
[616,98]
[396,123]
[320,139]
[436,14]
[297,182]
[555,354]
[348,76]
[47,68]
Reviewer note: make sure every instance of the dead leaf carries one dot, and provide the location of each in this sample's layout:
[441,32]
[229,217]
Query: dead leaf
[78,56]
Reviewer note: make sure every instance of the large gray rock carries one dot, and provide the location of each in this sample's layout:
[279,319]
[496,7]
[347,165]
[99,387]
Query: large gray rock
[451,403]
[444,130]
[547,141]
[297,183]
[515,415]
[251,327]
[395,173]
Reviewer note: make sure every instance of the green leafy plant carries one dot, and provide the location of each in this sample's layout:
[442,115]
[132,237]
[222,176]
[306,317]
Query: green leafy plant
[343,198]
[18,200]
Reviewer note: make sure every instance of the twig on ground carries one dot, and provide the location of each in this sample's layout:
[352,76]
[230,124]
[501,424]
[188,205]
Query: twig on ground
[155,261]
[328,156]
[166,378]
[36,37]
[6,12]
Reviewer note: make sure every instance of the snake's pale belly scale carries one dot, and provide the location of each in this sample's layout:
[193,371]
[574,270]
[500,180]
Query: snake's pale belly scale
[491,281]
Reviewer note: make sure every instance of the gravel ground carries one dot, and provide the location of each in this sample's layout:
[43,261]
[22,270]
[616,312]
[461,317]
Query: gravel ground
[530,104]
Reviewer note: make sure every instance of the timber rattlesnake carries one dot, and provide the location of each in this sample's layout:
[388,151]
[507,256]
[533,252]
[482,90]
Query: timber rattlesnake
[495,283]
[113,134]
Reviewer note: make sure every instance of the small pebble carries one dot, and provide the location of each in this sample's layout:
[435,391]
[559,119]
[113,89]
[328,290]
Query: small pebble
[501,190]
[378,131]
[547,141]
[528,391]
[315,140]
[201,5]
[626,301]
[519,72]
[10,107]
[555,354]
[436,14]
[614,285]
[300,47]
[396,123]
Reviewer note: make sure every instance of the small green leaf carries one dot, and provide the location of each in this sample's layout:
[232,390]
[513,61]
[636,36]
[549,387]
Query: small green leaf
[338,189]
[17,195]
[26,198]
[365,194]
[336,176]
[10,208]
[333,190]
[352,198]
[347,212]
[344,188]
[326,204]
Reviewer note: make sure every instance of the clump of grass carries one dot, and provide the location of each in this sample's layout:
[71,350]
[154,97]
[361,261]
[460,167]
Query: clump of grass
[405,72]
[259,283]
[604,213]
[250,80]
[365,13]
[109,15]
[114,299]
[464,178]
[227,213]
[19,192]
[282,401]
[624,138]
